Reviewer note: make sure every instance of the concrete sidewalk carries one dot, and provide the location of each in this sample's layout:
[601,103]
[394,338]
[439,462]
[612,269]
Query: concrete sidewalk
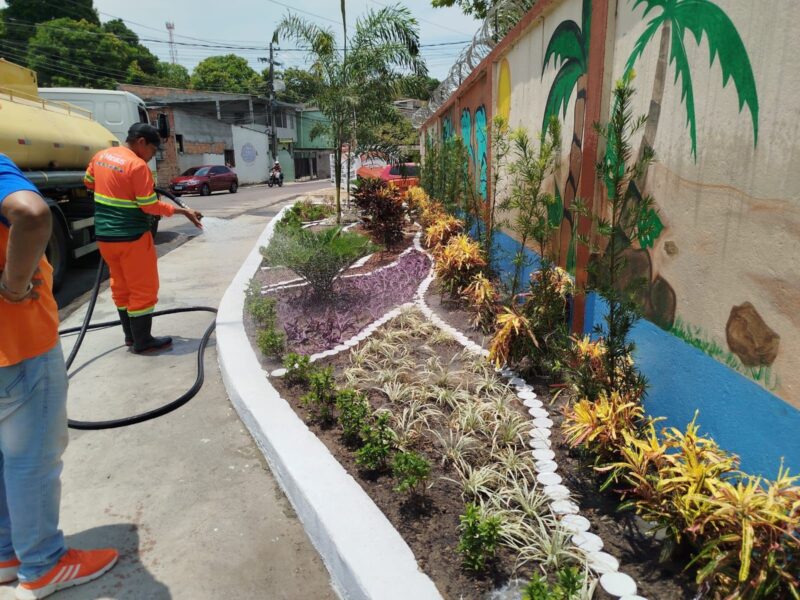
[187,499]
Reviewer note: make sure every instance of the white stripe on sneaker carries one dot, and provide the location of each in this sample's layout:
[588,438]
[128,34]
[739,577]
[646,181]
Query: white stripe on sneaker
[60,575]
[73,571]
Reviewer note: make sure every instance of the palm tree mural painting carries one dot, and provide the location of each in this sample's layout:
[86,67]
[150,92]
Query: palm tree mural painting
[569,50]
[676,17]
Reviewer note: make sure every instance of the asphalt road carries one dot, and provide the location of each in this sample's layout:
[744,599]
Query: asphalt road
[177,230]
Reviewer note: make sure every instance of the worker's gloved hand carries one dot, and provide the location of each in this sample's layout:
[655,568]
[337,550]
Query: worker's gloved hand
[193,215]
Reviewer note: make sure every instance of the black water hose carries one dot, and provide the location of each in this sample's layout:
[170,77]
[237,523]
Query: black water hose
[89,326]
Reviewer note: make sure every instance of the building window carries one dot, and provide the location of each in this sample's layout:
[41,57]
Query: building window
[179,142]
[280,119]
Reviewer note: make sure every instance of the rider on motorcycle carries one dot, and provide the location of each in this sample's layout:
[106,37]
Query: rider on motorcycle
[277,172]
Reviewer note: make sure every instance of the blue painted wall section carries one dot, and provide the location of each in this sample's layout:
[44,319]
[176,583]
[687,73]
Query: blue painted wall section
[740,415]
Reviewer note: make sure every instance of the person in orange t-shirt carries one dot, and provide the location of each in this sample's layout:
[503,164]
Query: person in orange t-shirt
[123,199]
[33,404]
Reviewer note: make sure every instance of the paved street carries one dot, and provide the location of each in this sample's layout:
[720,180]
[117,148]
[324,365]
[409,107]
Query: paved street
[188,498]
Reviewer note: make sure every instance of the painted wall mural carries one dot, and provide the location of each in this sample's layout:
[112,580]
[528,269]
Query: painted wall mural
[568,50]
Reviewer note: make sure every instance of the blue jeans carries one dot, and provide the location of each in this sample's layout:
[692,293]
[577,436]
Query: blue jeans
[33,436]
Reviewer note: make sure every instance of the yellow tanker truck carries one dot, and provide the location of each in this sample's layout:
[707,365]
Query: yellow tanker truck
[53,142]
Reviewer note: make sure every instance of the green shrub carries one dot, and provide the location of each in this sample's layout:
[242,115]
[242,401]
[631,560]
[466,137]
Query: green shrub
[412,470]
[479,537]
[322,395]
[568,586]
[353,409]
[298,368]
[271,342]
[307,211]
[289,222]
[319,257]
[377,438]
[263,310]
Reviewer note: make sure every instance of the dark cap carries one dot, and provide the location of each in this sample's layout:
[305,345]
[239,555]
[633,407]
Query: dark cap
[146,131]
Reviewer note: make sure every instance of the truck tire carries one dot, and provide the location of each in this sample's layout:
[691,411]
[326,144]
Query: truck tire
[57,253]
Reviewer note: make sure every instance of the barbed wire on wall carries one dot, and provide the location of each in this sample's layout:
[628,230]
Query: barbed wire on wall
[501,18]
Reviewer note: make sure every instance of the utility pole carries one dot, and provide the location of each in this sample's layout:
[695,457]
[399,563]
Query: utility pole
[173,53]
[274,133]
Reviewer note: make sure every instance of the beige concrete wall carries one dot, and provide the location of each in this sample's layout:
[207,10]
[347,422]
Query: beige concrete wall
[731,214]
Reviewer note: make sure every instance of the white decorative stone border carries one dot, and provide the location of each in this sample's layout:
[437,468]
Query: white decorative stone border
[562,504]
[365,555]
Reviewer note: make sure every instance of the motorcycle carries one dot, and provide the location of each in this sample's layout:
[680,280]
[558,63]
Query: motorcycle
[275,178]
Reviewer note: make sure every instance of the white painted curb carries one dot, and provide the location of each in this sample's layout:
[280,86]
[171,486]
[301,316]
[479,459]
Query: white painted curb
[365,555]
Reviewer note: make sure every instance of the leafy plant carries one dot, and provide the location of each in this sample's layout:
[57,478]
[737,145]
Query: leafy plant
[298,368]
[377,448]
[382,209]
[442,171]
[322,394]
[500,151]
[290,221]
[413,471]
[480,535]
[458,262]
[483,299]
[527,199]
[353,409]
[309,211]
[319,257]
[513,339]
[600,425]
[261,308]
[271,342]
[626,221]
[567,587]
[416,199]
[441,230]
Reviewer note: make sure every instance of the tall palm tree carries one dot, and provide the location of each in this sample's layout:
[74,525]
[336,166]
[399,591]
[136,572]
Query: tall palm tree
[357,86]
[568,48]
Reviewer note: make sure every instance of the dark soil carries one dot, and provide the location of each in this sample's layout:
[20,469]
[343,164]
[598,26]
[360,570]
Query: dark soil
[622,533]
[428,523]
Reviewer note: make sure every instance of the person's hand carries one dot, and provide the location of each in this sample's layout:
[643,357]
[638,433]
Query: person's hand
[194,216]
[14,296]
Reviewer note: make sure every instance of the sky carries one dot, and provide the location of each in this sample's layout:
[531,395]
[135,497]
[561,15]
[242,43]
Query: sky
[251,23]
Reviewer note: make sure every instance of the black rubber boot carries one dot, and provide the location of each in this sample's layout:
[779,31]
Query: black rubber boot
[142,340]
[125,321]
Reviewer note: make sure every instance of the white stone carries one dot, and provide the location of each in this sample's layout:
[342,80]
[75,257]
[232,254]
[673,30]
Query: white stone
[548,478]
[521,389]
[576,523]
[537,444]
[526,395]
[540,433]
[533,403]
[545,466]
[590,542]
[339,348]
[618,584]
[485,352]
[602,562]
[278,373]
[516,381]
[564,507]
[351,342]
[538,412]
[543,454]
[556,492]
[542,422]
[632,597]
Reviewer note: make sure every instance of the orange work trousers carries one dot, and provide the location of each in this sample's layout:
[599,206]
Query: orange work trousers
[134,274]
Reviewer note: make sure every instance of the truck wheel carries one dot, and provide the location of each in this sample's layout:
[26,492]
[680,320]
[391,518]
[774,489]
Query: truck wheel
[205,190]
[57,253]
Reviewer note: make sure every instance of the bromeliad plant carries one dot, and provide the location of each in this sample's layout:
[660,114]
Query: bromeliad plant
[442,230]
[483,299]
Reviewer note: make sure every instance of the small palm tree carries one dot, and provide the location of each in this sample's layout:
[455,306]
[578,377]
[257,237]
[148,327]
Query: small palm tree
[569,50]
[357,85]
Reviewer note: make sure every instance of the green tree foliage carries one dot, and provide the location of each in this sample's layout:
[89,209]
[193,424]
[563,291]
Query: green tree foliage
[174,76]
[301,85]
[64,52]
[228,73]
[473,8]
[20,18]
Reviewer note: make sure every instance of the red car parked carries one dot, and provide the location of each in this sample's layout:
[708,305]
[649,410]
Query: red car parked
[403,175]
[204,180]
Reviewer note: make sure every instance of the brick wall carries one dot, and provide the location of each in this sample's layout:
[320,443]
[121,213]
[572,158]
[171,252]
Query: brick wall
[203,147]
[167,167]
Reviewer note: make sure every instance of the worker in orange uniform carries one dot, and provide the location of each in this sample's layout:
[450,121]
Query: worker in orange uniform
[123,199]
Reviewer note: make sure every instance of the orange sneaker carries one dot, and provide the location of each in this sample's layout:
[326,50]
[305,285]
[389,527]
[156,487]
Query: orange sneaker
[8,570]
[74,568]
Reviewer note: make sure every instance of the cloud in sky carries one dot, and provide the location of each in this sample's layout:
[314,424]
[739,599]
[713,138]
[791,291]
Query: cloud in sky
[251,23]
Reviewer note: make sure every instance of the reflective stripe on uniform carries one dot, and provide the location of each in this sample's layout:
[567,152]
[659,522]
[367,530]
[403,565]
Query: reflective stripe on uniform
[118,202]
[88,177]
[146,200]
[142,312]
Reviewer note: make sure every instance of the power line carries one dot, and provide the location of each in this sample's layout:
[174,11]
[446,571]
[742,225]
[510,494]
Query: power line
[305,12]
[424,20]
